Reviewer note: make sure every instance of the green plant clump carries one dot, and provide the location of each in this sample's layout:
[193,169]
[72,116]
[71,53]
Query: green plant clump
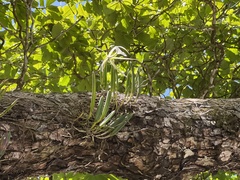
[77,176]
[221,175]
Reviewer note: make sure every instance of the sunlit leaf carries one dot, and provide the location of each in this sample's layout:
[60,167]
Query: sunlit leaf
[81,11]
[57,30]
[64,81]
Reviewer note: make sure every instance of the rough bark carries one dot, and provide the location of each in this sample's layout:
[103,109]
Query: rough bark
[166,139]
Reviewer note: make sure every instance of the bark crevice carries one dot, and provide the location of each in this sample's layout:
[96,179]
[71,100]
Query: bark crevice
[165,139]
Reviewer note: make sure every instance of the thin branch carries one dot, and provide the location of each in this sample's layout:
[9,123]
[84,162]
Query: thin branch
[25,44]
[17,20]
[55,38]
[218,52]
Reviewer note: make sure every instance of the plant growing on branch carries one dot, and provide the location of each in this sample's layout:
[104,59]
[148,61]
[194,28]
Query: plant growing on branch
[107,124]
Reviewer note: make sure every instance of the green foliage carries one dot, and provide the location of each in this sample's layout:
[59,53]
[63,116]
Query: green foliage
[2,92]
[189,47]
[221,175]
[8,108]
[78,176]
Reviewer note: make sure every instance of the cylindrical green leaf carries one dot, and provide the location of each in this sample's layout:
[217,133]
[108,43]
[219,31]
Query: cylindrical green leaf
[106,105]
[107,119]
[113,79]
[99,109]
[92,105]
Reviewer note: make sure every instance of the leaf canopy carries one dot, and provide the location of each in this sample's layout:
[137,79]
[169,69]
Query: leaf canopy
[188,47]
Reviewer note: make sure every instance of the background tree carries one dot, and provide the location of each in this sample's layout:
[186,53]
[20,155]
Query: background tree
[190,47]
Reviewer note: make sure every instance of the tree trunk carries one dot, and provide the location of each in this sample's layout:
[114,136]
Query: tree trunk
[165,139]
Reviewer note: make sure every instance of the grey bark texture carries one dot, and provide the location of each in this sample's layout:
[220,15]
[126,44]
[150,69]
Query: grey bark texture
[165,139]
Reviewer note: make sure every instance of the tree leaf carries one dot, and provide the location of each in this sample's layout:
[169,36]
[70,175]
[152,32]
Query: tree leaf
[57,30]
